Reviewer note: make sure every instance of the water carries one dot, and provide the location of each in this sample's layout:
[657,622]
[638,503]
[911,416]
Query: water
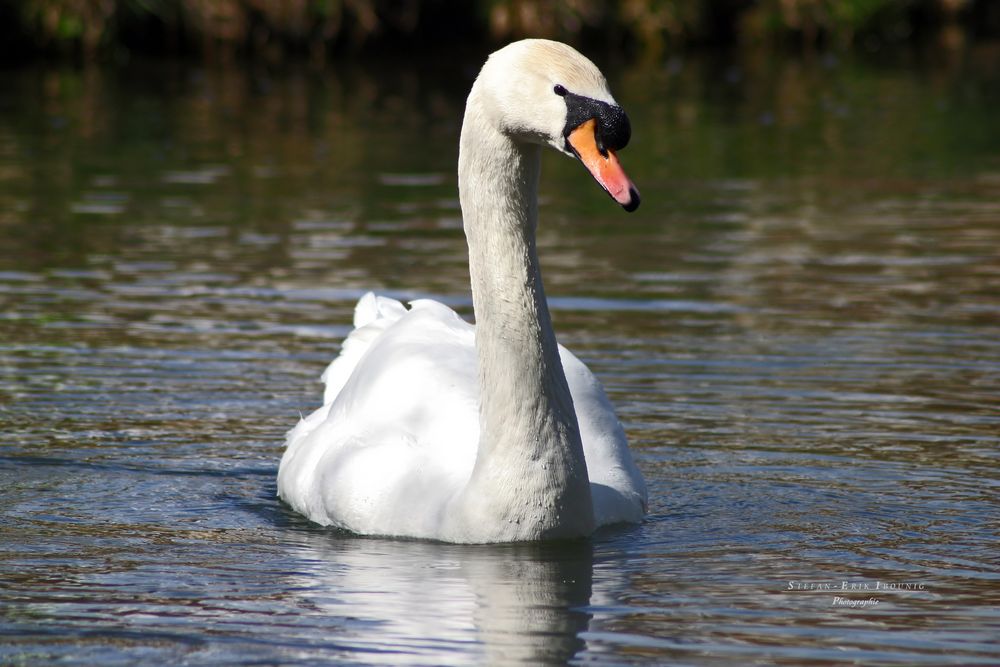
[799,329]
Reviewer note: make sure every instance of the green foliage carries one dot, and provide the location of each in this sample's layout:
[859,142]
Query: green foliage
[841,20]
[317,26]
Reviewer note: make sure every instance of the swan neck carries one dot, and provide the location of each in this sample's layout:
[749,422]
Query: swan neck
[530,445]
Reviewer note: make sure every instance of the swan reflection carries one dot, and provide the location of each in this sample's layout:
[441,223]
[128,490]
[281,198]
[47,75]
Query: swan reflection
[402,601]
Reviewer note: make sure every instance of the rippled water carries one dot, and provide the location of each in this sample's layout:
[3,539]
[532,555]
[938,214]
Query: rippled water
[800,329]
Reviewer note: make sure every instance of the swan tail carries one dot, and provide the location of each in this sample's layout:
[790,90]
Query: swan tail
[372,316]
[371,308]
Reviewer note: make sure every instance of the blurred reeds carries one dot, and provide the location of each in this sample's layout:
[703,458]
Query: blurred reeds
[90,29]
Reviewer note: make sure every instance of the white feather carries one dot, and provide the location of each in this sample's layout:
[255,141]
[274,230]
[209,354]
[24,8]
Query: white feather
[431,428]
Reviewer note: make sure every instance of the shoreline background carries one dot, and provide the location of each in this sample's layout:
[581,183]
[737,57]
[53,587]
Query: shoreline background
[323,31]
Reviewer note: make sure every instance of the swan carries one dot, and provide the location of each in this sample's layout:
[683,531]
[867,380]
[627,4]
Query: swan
[434,428]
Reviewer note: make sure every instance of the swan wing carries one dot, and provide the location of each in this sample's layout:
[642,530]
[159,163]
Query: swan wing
[617,488]
[397,435]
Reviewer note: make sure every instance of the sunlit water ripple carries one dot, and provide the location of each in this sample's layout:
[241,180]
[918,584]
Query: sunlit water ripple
[799,330]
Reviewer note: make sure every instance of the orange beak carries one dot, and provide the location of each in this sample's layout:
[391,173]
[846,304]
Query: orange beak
[603,166]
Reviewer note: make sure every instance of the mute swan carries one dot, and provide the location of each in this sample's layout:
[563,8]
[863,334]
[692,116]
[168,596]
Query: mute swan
[434,428]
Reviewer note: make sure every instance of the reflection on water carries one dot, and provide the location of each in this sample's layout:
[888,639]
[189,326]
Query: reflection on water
[450,604]
[799,329]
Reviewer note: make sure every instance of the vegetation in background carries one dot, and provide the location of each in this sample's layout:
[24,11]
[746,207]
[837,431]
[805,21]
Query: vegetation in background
[279,28]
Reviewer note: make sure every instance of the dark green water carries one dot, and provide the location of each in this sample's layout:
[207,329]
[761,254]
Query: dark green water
[800,329]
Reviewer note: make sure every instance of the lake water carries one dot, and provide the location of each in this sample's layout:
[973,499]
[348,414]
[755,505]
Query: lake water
[800,329]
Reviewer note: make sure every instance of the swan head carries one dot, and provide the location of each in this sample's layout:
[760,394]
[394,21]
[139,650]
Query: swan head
[545,92]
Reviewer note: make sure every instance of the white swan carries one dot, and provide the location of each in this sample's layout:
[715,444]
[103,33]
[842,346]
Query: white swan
[433,428]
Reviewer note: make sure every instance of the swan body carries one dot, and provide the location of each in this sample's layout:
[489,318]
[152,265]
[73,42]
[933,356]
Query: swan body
[434,428]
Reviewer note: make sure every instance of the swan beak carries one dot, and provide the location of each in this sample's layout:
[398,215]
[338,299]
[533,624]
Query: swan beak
[603,165]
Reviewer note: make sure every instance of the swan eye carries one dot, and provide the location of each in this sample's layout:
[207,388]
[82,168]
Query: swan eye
[559,90]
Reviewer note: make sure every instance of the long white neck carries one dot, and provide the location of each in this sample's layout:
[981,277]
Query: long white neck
[530,474]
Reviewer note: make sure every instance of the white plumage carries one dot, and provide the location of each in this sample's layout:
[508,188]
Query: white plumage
[432,429]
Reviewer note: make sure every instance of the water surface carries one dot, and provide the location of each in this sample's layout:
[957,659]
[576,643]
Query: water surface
[799,329]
